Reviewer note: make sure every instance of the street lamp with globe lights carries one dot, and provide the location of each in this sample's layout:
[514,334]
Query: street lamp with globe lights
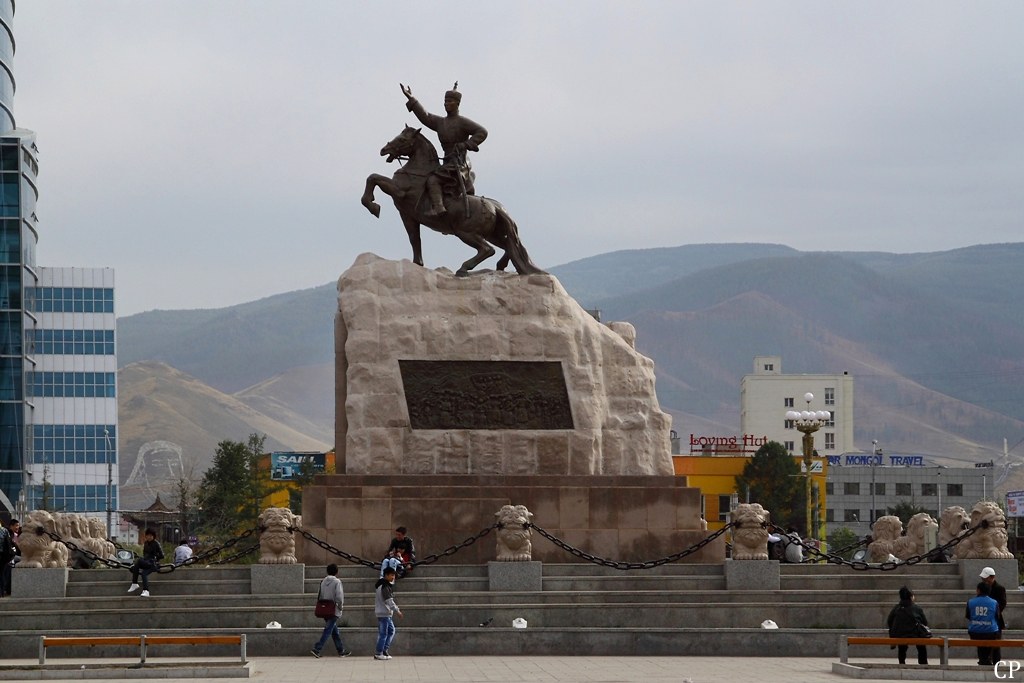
[808,421]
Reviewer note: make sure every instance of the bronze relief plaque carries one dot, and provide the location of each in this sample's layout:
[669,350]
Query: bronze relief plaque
[485,394]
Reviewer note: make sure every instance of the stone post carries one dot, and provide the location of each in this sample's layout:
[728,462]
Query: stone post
[752,575]
[27,582]
[277,579]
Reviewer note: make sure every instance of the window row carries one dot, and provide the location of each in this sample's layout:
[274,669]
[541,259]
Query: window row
[74,444]
[77,342]
[73,300]
[79,498]
[71,384]
[852,488]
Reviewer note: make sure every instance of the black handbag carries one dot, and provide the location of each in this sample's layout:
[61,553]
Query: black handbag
[324,608]
[922,631]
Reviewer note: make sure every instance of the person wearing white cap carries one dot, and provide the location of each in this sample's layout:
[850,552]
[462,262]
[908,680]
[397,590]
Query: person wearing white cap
[997,593]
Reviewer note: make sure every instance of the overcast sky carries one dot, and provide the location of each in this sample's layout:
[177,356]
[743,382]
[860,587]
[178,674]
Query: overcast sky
[215,152]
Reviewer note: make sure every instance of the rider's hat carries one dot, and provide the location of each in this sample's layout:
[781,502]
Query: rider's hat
[454,93]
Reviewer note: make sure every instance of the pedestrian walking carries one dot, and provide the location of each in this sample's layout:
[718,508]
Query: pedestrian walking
[384,607]
[982,612]
[331,590]
[905,621]
[152,553]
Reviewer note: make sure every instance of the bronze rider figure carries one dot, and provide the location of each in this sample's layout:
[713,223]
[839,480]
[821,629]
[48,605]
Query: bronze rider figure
[457,134]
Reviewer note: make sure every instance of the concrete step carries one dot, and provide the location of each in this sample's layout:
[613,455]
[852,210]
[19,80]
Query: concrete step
[941,568]
[873,581]
[143,613]
[83,589]
[633,581]
[179,574]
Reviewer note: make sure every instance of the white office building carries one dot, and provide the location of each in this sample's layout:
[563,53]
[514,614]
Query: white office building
[72,391]
[767,395]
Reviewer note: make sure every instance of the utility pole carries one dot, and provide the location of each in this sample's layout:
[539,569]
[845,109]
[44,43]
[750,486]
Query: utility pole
[874,452]
[110,481]
[808,422]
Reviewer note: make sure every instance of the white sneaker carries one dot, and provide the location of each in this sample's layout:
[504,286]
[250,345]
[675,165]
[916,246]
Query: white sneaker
[133,587]
[144,594]
[382,657]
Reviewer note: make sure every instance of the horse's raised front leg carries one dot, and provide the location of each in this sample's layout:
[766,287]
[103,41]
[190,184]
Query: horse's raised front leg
[413,228]
[375,180]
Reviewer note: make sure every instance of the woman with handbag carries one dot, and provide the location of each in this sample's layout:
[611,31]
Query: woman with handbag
[907,620]
[329,602]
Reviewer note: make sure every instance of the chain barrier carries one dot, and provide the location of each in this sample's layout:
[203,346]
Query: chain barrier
[626,566]
[237,556]
[860,565]
[840,552]
[163,568]
[429,559]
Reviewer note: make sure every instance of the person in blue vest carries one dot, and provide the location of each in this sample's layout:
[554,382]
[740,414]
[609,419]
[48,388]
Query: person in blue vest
[982,621]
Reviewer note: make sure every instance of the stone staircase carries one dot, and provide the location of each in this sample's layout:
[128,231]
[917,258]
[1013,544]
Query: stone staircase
[582,609]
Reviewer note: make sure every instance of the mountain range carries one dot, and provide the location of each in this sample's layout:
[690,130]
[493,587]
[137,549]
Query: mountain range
[933,341]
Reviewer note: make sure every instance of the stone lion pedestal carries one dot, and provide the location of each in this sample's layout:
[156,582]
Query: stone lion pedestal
[514,577]
[1006,572]
[752,575]
[28,582]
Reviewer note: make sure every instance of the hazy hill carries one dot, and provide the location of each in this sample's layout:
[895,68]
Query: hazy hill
[621,272]
[169,420]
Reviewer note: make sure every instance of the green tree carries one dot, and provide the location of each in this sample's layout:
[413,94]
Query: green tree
[840,538]
[905,510]
[773,479]
[224,489]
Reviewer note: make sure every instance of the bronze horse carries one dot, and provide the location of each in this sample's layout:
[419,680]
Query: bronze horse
[477,221]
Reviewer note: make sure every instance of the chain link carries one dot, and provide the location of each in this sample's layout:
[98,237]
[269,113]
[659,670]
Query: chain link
[626,566]
[429,559]
[860,565]
[355,559]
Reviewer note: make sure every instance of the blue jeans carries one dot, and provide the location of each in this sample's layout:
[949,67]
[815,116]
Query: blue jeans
[330,629]
[145,566]
[385,633]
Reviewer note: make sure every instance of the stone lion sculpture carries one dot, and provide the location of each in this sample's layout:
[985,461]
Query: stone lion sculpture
[99,543]
[39,551]
[988,543]
[513,537]
[277,544]
[913,543]
[750,532]
[884,533]
[952,523]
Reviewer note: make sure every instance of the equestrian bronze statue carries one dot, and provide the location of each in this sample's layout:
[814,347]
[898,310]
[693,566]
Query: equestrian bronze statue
[440,194]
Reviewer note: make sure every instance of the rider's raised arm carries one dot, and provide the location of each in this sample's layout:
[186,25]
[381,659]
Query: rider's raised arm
[429,120]
[477,134]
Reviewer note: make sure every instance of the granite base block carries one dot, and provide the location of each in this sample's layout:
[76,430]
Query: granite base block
[1006,572]
[39,583]
[517,577]
[277,579]
[752,575]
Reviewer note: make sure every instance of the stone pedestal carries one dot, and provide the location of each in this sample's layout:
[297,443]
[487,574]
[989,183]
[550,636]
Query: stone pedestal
[39,583]
[752,575]
[515,577]
[277,579]
[1006,572]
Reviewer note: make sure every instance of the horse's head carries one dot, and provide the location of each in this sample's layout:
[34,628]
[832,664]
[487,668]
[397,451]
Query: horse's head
[403,145]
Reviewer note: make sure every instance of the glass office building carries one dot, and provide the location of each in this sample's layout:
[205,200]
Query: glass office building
[58,366]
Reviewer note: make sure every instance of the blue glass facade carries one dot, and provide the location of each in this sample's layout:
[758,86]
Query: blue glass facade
[74,342]
[71,384]
[73,300]
[73,498]
[82,444]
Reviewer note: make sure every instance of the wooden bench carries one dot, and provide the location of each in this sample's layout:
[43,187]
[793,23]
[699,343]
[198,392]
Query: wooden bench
[142,641]
[942,643]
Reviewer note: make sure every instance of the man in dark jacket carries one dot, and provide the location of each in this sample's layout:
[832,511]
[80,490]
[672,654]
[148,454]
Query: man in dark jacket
[903,623]
[152,553]
[8,551]
[406,550]
[997,593]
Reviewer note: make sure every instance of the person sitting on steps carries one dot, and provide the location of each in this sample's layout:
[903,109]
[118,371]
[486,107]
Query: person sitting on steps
[152,553]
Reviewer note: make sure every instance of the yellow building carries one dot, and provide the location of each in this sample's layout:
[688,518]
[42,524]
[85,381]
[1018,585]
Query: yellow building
[283,466]
[715,476]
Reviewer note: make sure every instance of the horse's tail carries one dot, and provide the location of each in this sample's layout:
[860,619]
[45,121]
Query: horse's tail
[514,249]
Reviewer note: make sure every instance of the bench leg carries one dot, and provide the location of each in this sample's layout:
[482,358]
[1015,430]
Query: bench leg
[243,647]
[844,649]
[944,654]
[42,650]
[142,650]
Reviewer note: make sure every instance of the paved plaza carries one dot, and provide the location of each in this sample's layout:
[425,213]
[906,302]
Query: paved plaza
[535,669]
